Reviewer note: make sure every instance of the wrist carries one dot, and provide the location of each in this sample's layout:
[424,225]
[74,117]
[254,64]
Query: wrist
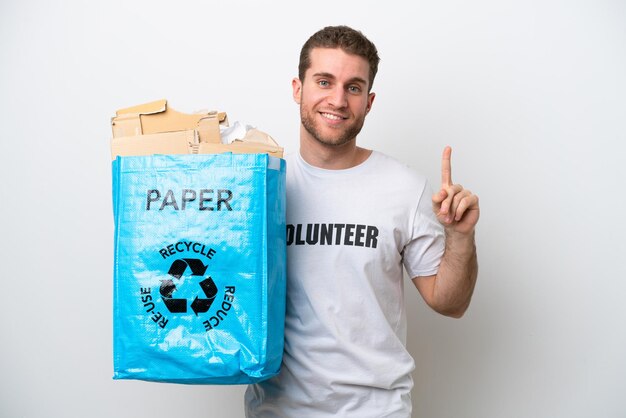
[460,244]
[460,236]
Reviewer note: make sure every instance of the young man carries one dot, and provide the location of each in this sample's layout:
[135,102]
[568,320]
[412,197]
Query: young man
[355,218]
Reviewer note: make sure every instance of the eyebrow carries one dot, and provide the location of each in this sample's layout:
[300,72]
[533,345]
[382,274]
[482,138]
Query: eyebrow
[331,76]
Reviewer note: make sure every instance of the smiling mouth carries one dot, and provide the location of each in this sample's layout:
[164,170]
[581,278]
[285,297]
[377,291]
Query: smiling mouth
[332,116]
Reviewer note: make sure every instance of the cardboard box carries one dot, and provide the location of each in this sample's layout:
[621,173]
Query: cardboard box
[156,128]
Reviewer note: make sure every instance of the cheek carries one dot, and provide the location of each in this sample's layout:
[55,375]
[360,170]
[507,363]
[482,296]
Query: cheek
[360,104]
[310,98]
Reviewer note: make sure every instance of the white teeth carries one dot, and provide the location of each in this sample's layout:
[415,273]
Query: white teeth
[332,117]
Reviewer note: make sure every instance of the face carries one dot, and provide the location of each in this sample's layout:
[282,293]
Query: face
[333,96]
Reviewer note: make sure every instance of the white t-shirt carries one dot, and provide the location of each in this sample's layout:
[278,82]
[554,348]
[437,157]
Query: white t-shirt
[349,233]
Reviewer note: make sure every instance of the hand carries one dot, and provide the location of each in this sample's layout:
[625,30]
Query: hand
[456,208]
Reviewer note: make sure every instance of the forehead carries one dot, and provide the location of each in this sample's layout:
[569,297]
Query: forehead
[338,63]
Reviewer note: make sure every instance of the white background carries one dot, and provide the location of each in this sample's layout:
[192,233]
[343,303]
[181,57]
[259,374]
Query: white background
[530,94]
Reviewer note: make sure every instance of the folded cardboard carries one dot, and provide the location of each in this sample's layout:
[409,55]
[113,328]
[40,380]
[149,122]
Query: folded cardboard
[156,128]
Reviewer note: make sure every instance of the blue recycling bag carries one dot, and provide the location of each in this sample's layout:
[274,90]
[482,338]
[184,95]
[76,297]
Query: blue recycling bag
[200,268]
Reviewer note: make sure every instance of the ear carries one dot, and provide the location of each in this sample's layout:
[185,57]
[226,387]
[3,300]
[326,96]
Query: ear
[296,85]
[370,101]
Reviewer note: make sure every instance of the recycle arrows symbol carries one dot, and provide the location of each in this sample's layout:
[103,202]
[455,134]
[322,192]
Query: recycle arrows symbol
[177,269]
[173,305]
[210,290]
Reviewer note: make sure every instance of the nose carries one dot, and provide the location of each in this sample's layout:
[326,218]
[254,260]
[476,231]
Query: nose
[337,97]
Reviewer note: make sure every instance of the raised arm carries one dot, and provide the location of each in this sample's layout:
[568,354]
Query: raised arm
[450,291]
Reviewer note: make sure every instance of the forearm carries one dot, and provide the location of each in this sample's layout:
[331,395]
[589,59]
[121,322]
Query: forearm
[455,281]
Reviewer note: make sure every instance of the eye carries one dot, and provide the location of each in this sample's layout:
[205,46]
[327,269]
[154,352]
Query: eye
[354,89]
[323,83]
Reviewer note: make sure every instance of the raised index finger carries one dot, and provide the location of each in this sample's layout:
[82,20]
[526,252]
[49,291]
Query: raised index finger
[446,168]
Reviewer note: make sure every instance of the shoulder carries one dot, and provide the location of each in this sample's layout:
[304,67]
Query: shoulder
[290,157]
[392,167]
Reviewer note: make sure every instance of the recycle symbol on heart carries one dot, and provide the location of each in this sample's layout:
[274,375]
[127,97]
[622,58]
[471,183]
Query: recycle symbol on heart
[177,270]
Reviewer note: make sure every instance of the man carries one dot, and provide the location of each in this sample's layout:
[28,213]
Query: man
[355,217]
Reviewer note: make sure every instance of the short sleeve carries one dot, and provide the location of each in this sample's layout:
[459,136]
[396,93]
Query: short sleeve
[421,256]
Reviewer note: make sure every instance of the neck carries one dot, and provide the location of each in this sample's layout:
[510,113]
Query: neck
[332,157]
